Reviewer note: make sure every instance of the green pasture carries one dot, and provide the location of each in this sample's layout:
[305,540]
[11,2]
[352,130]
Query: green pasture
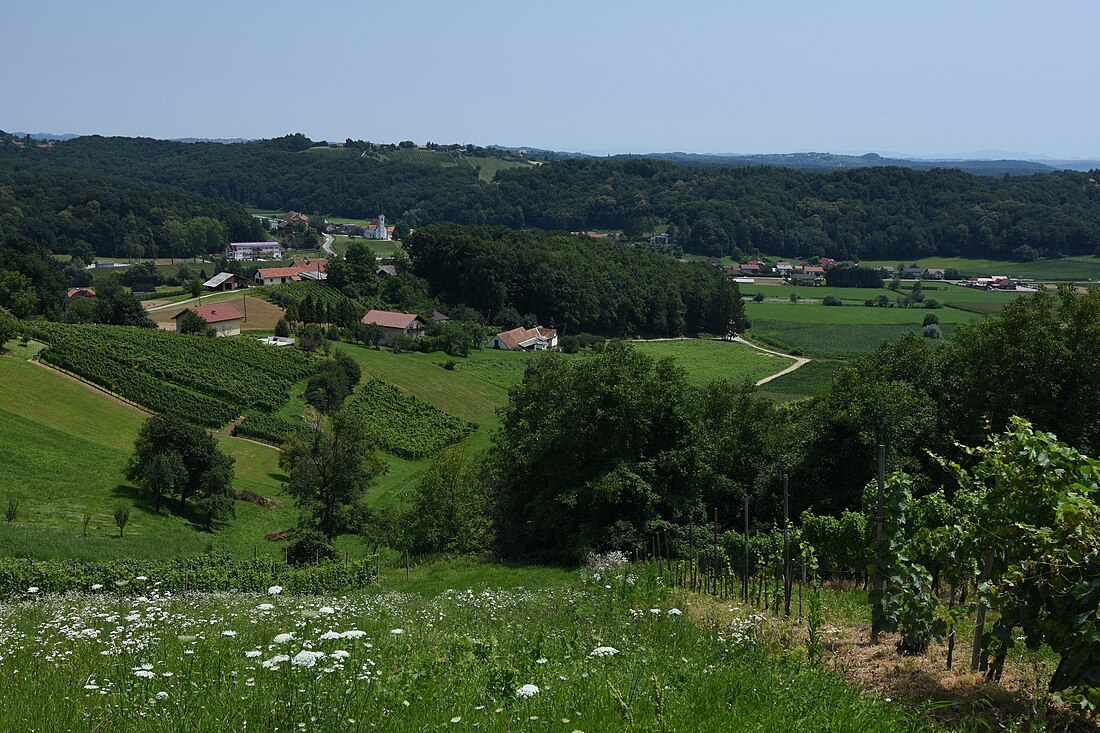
[489,166]
[706,360]
[855,314]
[1077,269]
[381,248]
[835,340]
[808,380]
[66,446]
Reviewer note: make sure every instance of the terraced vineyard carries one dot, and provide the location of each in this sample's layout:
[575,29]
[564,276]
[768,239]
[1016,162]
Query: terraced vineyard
[404,425]
[207,381]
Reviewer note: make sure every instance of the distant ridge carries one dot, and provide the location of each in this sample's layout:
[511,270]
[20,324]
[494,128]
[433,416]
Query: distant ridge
[70,136]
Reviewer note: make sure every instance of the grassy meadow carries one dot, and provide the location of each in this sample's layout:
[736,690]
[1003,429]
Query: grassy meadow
[1074,269]
[707,360]
[513,650]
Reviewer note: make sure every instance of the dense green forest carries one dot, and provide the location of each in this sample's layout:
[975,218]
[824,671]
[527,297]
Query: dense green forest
[870,213]
[574,282]
[87,214]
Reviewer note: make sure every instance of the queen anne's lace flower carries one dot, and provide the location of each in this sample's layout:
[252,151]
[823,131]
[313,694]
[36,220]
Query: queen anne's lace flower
[527,691]
[604,651]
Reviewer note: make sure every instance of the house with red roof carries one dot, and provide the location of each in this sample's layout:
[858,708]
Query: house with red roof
[225,318]
[395,325]
[296,272]
[80,293]
[538,338]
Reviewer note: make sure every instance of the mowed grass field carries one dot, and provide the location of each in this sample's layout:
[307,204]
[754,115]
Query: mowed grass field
[706,360]
[66,446]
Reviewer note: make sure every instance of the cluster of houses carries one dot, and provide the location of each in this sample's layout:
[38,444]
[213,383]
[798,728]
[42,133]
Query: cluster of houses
[377,229]
[808,273]
[409,325]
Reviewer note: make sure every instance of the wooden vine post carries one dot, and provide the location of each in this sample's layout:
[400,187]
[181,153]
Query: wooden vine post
[745,576]
[876,578]
[786,552]
[717,570]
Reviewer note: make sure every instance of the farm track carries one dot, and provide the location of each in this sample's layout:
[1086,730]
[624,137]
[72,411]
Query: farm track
[799,361]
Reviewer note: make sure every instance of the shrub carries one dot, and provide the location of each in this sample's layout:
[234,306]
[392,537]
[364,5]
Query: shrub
[282,328]
[11,511]
[932,304]
[930,319]
[832,300]
[932,331]
[310,547]
[795,297]
[758,298]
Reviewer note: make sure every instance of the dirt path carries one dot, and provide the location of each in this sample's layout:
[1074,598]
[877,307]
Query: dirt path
[798,360]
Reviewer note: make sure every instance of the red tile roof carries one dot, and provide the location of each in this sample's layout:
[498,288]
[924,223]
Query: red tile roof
[214,313]
[512,339]
[389,319]
[82,292]
[295,269]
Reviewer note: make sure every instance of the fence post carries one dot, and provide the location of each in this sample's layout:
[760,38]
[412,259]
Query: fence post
[979,621]
[786,552]
[876,578]
[717,570]
[745,577]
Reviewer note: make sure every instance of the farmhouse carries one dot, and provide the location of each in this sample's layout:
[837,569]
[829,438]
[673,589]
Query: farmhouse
[225,319]
[387,271]
[80,293]
[250,251]
[803,278]
[297,271]
[659,239]
[784,267]
[395,324]
[438,317]
[934,273]
[538,338]
[814,269]
[222,281]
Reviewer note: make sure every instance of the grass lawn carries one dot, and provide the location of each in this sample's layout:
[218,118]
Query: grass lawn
[66,447]
[382,248]
[707,360]
[490,166]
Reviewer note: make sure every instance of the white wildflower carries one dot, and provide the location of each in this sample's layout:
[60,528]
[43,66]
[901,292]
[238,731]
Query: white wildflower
[32,589]
[97,586]
[397,632]
[327,610]
[527,691]
[275,590]
[675,612]
[354,634]
[274,661]
[229,632]
[604,651]
[162,695]
[145,674]
[331,635]
[306,658]
[282,638]
[264,607]
[252,653]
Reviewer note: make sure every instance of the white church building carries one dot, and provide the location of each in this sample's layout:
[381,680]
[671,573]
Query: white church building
[377,229]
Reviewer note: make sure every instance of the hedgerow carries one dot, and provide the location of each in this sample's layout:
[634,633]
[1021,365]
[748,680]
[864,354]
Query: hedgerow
[205,574]
[403,424]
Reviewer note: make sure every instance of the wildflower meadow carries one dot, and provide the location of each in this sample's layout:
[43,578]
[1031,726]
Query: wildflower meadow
[611,652]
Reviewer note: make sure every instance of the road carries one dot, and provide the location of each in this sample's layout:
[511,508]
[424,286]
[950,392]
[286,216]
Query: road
[327,246]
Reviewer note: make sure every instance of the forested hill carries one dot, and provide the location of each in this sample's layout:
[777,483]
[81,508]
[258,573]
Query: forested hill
[869,213]
[86,213]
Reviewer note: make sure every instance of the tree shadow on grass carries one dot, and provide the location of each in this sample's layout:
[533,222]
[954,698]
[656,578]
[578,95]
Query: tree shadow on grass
[169,507]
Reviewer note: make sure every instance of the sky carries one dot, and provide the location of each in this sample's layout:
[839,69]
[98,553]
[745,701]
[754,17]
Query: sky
[921,78]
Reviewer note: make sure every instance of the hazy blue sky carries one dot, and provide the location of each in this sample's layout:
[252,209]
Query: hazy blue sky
[925,77]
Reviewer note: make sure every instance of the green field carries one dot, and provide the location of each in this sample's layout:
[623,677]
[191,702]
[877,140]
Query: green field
[382,248]
[1076,269]
[548,652]
[66,446]
[706,361]
[489,166]
[808,380]
[833,340]
[416,156]
[815,312]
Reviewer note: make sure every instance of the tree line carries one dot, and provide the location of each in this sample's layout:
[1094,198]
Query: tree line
[868,213]
[574,282]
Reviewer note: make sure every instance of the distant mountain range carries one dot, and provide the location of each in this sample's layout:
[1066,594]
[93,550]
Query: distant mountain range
[980,164]
[70,136]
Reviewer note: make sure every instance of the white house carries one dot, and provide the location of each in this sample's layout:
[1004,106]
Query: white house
[395,324]
[299,270]
[250,251]
[525,339]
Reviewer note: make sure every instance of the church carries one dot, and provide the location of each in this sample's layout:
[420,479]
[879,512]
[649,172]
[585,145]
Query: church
[377,229]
